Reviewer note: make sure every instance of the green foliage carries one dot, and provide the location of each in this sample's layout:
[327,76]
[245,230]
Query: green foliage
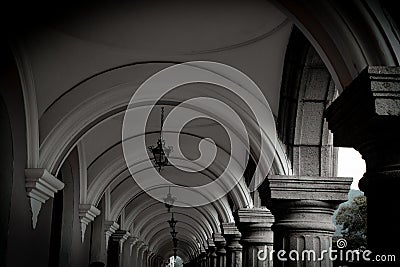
[353,218]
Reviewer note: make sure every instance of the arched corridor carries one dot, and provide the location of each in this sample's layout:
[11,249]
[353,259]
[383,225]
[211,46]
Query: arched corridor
[248,101]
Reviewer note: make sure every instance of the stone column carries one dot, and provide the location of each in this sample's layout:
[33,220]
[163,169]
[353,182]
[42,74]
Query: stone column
[133,253]
[139,261]
[233,246]
[212,255]
[203,258]
[127,251]
[255,226]
[303,209]
[150,258]
[146,257]
[116,247]
[366,116]
[157,261]
[110,228]
[220,244]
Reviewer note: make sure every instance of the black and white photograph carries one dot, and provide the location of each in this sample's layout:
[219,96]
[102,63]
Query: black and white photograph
[214,133]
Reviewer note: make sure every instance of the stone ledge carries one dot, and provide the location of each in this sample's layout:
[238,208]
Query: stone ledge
[255,215]
[120,236]
[309,188]
[40,186]
[229,229]
[371,99]
[218,238]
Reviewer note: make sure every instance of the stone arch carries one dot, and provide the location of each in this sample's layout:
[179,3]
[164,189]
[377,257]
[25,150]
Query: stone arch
[345,46]
[307,89]
[58,125]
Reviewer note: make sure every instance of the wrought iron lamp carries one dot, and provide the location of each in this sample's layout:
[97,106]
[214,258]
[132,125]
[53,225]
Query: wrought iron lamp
[169,200]
[160,151]
[172,222]
[173,233]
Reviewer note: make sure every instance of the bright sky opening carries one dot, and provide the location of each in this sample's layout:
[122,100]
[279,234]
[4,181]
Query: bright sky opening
[351,164]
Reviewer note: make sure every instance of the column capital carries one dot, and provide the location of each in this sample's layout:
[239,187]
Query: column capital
[255,215]
[132,240]
[40,186]
[255,225]
[367,108]
[210,244]
[120,236]
[232,236]
[140,244]
[233,246]
[217,237]
[87,214]
[220,243]
[229,228]
[109,228]
[211,247]
[335,189]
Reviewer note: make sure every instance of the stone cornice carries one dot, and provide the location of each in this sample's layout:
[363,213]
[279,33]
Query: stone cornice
[255,215]
[309,188]
[373,97]
[255,226]
[40,186]
[120,236]
[218,237]
[110,228]
[229,229]
[232,236]
[87,214]
[210,243]
[132,242]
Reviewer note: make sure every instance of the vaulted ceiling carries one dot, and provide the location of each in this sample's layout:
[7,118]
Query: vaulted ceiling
[85,68]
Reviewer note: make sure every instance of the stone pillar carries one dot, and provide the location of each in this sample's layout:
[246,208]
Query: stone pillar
[203,258]
[366,116]
[146,257]
[115,249]
[233,246]
[139,260]
[150,258]
[156,261]
[153,260]
[127,251]
[212,255]
[303,209]
[255,227]
[220,244]
[133,253]
[110,228]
